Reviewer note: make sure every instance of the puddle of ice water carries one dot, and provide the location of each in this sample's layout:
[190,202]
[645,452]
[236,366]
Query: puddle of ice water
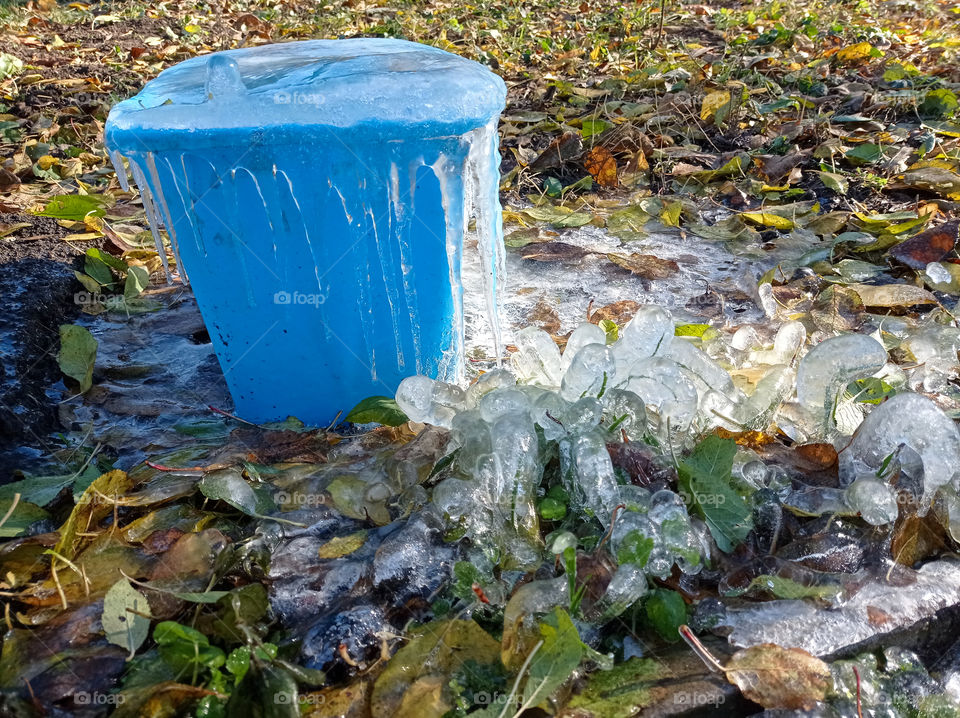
[709,271]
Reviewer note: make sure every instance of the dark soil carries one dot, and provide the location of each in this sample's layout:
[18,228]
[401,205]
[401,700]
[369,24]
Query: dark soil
[36,275]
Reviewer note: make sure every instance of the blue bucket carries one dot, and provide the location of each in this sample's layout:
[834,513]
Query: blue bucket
[316,195]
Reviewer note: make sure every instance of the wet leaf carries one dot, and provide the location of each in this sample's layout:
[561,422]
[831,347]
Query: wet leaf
[779,678]
[228,486]
[705,476]
[24,515]
[340,546]
[893,295]
[90,509]
[646,265]
[837,309]
[917,537]
[786,588]
[627,224]
[433,653]
[78,352]
[553,252]
[558,657]
[377,409]
[618,693]
[931,245]
[666,612]
[126,616]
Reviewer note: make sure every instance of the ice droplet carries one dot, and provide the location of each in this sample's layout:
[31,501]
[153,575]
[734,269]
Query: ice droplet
[910,420]
[827,369]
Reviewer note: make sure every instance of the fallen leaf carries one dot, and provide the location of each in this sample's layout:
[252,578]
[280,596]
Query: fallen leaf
[646,265]
[893,295]
[563,149]
[602,166]
[340,546]
[931,245]
[779,678]
[713,102]
[553,252]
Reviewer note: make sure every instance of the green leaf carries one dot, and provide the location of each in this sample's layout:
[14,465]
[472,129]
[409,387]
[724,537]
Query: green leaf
[238,662]
[666,612]
[867,153]
[705,478]
[837,182]
[10,65]
[78,352]
[690,330]
[589,128]
[635,548]
[138,279]
[611,329]
[627,224]
[99,270]
[184,648]
[939,104]
[553,187]
[670,216]
[74,207]
[787,588]
[558,657]
[621,692]
[377,409]
[24,515]
[228,486]
[126,616]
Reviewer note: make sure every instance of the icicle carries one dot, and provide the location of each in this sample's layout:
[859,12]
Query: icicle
[117,159]
[171,232]
[153,218]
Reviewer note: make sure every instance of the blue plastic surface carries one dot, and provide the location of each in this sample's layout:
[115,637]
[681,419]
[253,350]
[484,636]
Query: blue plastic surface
[315,194]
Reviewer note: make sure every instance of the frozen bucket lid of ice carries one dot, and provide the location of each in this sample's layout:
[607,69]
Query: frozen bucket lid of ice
[385,88]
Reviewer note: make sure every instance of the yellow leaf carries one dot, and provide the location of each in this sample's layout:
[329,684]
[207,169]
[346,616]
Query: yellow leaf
[713,102]
[341,546]
[766,219]
[46,162]
[855,53]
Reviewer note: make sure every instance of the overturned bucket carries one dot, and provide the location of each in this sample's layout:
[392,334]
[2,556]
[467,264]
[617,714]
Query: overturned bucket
[317,194]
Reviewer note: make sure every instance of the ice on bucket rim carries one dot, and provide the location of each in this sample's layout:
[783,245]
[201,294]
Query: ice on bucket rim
[386,88]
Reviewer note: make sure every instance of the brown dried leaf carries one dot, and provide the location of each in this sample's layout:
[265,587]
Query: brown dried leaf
[566,147]
[931,245]
[619,312]
[777,677]
[553,252]
[601,164]
[646,265]
[916,537]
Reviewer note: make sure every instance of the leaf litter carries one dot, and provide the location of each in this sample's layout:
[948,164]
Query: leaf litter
[773,176]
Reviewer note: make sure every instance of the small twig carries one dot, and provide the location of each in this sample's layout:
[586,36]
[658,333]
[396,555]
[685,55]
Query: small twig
[702,653]
[856,674]
[230,416]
